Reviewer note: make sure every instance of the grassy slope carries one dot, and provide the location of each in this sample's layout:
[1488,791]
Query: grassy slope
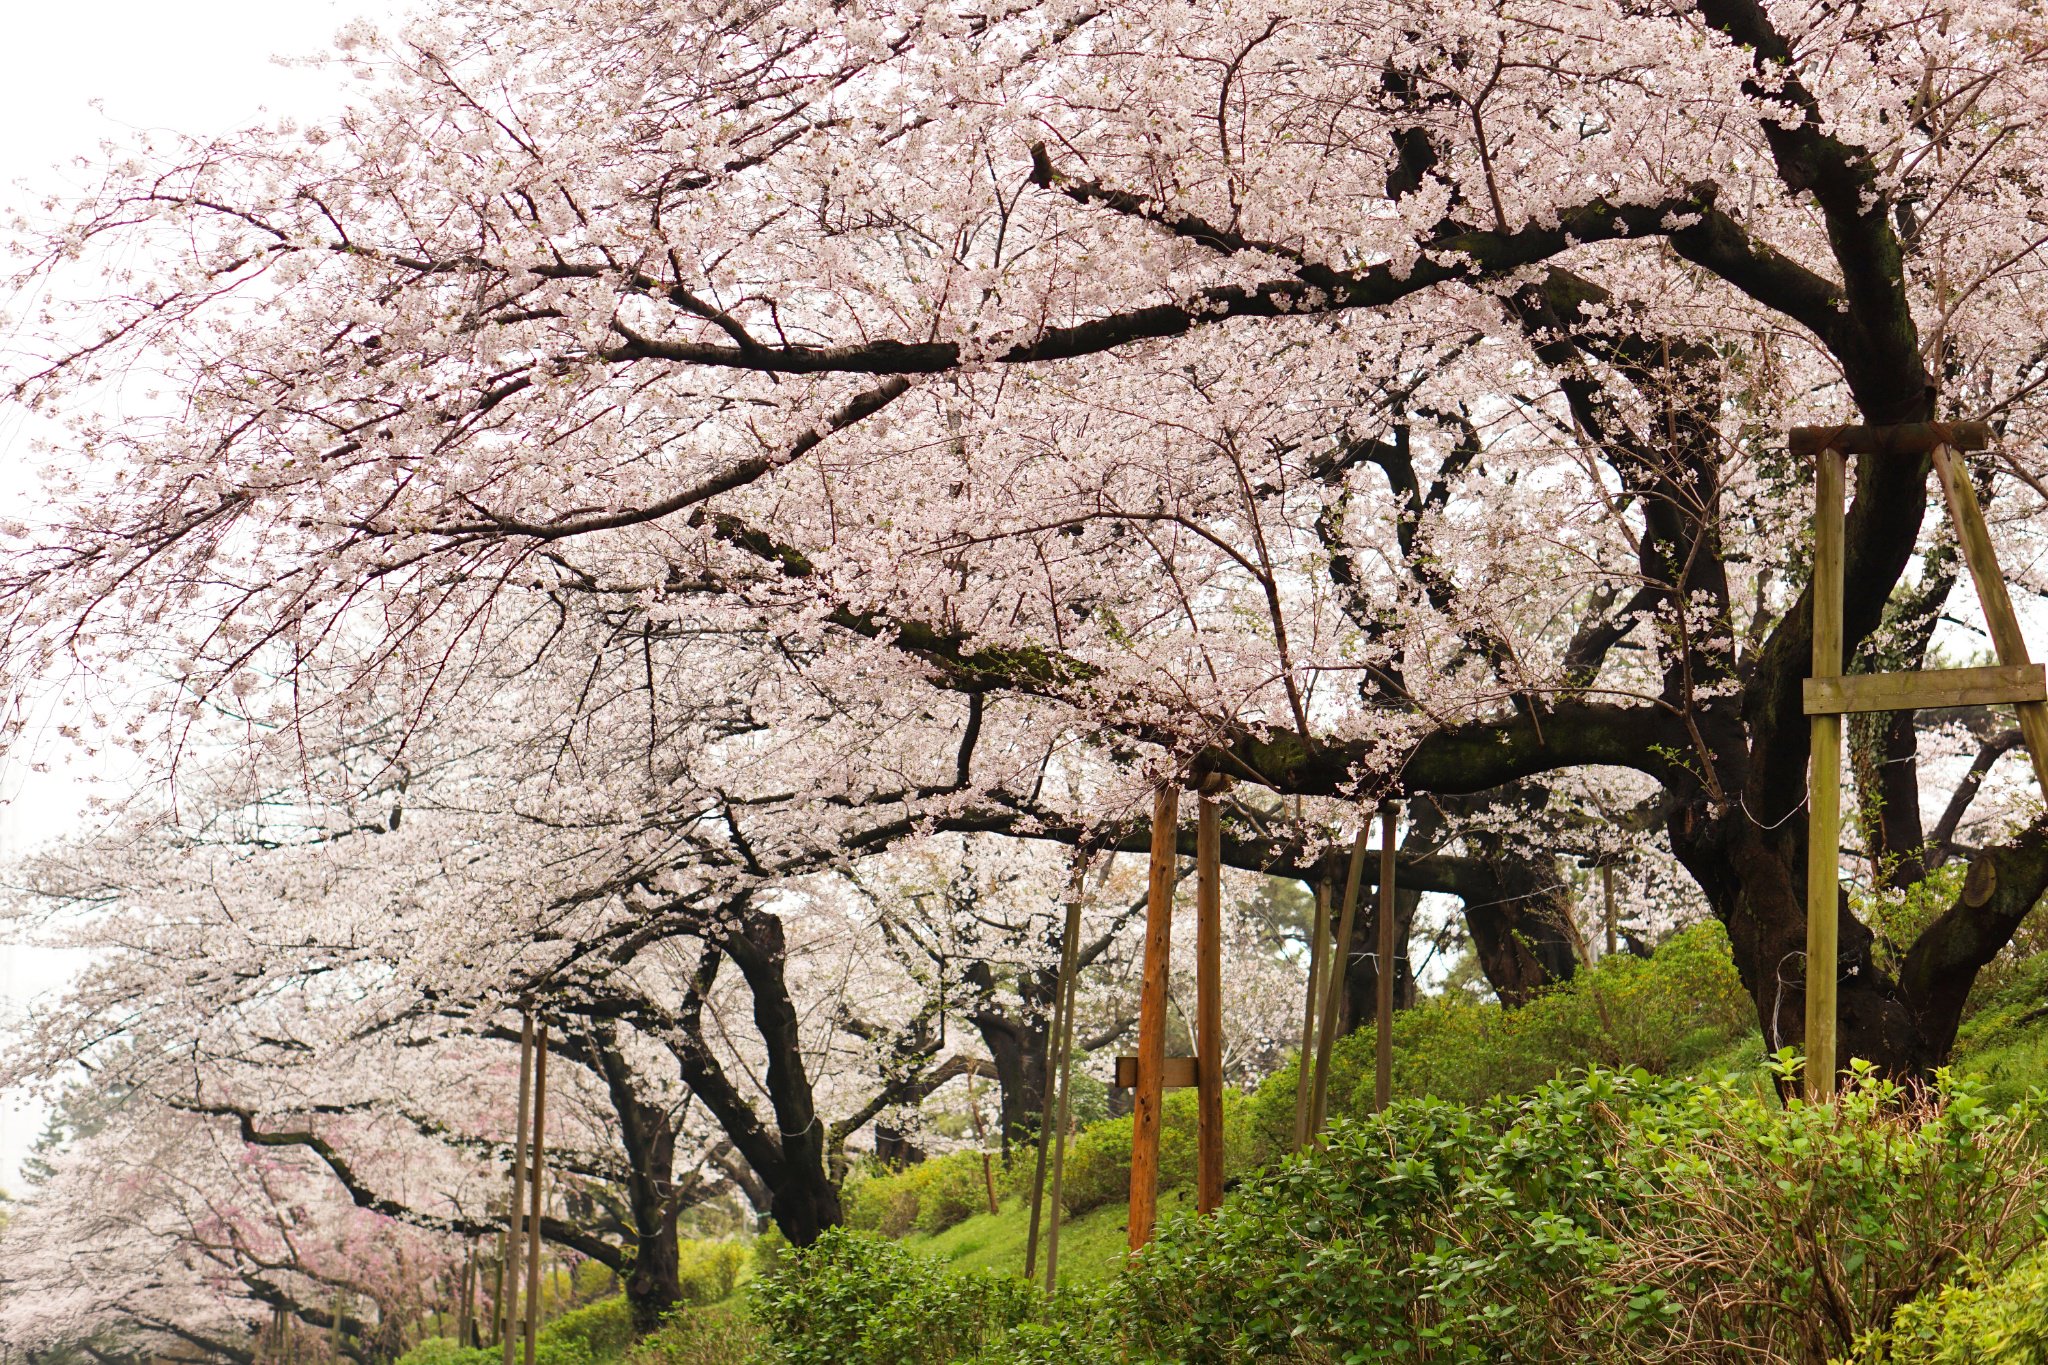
[1091,1245]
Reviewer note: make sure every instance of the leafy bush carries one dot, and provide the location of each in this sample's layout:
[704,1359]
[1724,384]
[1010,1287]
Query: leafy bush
[710,1270]
[717,1335]
[592,1331]
[1614,1217]
[1098,1169]
[2004,1041]
[928,1197]
[1680,1010]
[446,1351]
[856,1299]
[2003,1322]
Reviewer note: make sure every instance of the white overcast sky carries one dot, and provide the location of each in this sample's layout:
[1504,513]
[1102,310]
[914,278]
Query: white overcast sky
[74,75]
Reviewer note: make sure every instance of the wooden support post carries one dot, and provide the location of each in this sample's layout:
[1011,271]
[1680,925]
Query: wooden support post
[1824,784]
[1975,539]
[1333,987]
[508,1298]
[1059,1139]
[1070,949]
[1383,1001]
[1208,1007]
[1318,953]
[1607,895]
[988,1161]
[540,1165]
[1152,1018]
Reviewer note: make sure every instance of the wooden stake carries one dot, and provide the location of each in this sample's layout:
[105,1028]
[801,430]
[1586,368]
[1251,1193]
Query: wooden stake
[1070,949]
[1152,1019]
[1824,785]
[1975,538]
[1334,987]
[540,1165]
[1383,1004]
[1317,955]
[988,1165]
[1607,893]
[1059,1141]
[1208,1008]
[508,1299]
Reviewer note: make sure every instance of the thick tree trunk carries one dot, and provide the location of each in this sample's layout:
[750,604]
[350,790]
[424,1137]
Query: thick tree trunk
[804,1200]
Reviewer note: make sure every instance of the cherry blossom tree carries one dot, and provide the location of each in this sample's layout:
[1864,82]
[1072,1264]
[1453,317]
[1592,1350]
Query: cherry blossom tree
[1373,403]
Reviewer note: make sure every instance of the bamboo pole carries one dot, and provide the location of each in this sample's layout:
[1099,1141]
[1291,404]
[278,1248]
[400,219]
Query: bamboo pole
[1334,985]
[1975,538]
[508,1298]
[1383,1001]
[1070,949]
[1208,1007]
[1152,1019]
[1824,784]
[540,1162]
[1318,956]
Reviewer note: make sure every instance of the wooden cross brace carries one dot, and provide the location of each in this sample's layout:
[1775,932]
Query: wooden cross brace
[1828,694]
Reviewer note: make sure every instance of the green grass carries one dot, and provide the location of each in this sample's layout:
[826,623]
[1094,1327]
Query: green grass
[1091,1246]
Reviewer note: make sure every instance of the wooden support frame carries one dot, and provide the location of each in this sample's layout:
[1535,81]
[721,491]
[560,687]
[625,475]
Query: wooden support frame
[1175,1073]
[1828,694]
[1928,691]
[1152,1071]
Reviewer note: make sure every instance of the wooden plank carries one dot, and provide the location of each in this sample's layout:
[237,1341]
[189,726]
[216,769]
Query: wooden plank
[1928,690]
[1824,784]
[1318,954]
[1208,1006]
[1975,539]
[1912,438]
[1175,1073]
[1383,1001]
[1151,1061]
[1334,987]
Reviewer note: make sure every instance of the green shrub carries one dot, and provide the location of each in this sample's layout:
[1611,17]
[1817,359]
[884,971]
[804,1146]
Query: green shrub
[717,1335]
[928,1197]
[1098,1169]
[1680,1010]
[446,1351]
[853,1298]
[710,1270]
[593,1331]
[1613,1217]
[593,1280]
[2002,1322]
[2004,1041]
